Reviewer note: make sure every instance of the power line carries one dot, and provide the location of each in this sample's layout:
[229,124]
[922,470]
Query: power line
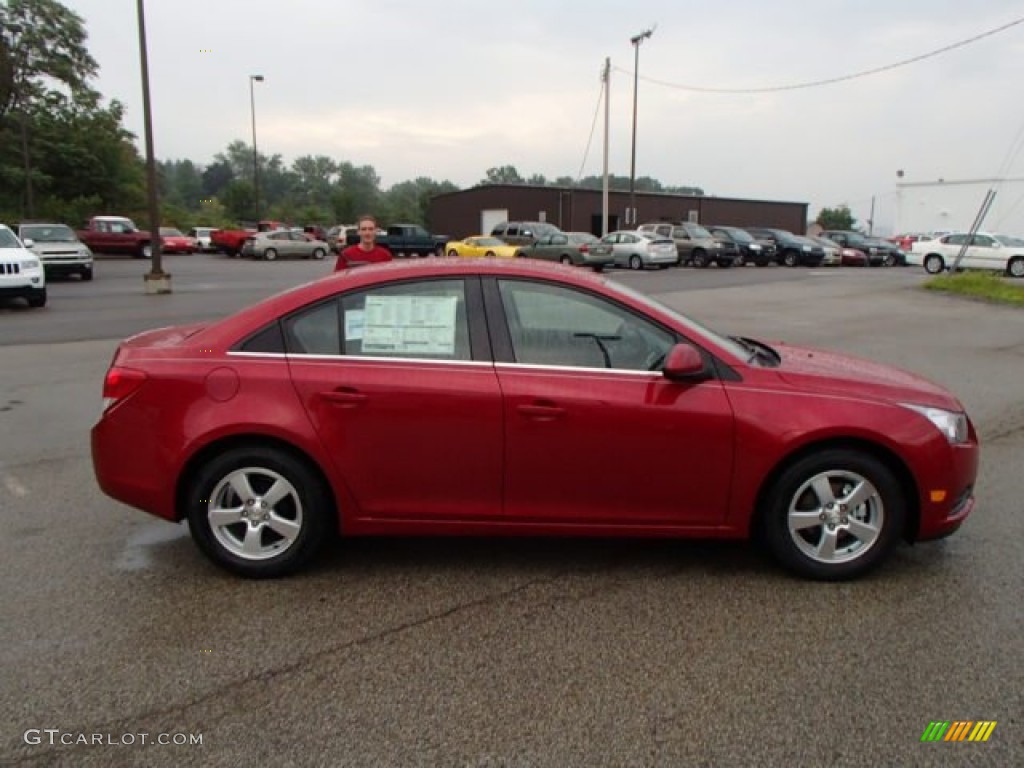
[833,80]
[593,126]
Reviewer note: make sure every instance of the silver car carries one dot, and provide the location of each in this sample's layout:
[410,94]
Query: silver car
[639,250]
[283,243]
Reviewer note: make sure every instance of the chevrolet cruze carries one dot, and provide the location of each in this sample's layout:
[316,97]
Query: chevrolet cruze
[485,397]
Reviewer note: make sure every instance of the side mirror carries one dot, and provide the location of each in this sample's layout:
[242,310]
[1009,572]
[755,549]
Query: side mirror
[29,242]
[684,363]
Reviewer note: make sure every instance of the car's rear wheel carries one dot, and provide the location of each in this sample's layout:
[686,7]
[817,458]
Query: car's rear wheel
[889,260]
[933,264]
[489,255]
[319,253]
[37,299]
[635,262]
[834,514]
[566,259]
[270,254]
[741,261]
[146,251]
[453,253]
[258,511]
[700,259]
[1016,267]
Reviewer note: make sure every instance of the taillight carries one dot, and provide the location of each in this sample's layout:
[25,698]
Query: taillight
[584,248]
[120,383]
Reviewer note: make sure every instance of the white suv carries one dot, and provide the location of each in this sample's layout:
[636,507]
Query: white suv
[21,272]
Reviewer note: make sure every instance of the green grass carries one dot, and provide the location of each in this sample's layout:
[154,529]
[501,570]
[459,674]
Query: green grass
[981,285]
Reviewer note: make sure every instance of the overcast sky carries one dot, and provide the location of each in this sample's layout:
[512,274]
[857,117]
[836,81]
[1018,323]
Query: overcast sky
[449,88]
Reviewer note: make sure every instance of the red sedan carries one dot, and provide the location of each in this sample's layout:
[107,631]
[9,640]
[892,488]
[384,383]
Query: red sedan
[488,397]
[173,241]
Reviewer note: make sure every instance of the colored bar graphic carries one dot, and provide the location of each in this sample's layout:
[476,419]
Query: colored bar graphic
[958,730]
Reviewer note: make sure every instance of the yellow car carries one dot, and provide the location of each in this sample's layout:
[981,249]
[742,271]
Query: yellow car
[481,245]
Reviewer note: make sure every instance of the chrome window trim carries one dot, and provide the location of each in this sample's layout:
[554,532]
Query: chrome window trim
[362,358]
[575,369]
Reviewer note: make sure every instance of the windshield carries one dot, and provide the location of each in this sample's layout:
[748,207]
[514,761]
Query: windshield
[854,239]
[582,237]
[48,233]
[170,232]
[740,235]
[725,342]
[8,240]
[698,231]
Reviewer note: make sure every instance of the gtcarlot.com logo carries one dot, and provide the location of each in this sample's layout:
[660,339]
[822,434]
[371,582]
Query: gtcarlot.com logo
[56,737]
[958,730]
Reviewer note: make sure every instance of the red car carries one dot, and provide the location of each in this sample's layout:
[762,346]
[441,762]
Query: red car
[516,397]
[173,241]
[851,257]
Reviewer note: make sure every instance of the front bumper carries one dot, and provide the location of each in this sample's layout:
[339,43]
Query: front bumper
[946,491]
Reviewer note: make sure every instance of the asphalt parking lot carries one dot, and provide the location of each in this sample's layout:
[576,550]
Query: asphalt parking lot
[502,652]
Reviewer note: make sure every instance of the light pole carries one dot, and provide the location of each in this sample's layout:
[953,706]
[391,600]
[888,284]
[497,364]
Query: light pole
[156,280]
[635,40]
[255,155]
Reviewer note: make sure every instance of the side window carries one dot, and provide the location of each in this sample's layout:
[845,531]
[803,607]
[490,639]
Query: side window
[956,239]
[512,230]
[314,330]
[425,319]
[267,340]
[558,239]
[983,240]
[553,325]
[498,230]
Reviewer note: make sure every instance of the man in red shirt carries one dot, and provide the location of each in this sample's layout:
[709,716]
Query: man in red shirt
[366,251]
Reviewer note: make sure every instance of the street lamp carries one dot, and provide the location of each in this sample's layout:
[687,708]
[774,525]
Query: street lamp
[635,40]
[255,156]
[156,280]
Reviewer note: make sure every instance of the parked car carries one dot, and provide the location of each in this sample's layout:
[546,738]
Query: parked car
[202,236]
[523,232]
[577,248]
[337,236]
[639,250]
[116,234]
[906,241]
[175,241]
[790,250]
[405,240]
[1001,253]
[574,405]
[880,252]
[21,271]
[694,244]
[230,241]
[58,248]
[851,257]
[750,250]
[480,246]
[283,242]
[833,251]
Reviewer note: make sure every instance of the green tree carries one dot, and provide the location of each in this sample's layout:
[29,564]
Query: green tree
[505,174]
[839,217]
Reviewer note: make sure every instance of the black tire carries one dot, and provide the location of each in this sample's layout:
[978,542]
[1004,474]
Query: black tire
[306,509]
[270,254]
[319,253]
[635,262]
[566,259]
[790,258]
[145,251]
[889,260]
[741,261]
[699,259]
[878,517]
[37,300]
[598,268]
[489,255]
[453,253]
[1016,267]
[86,274]
[933,264]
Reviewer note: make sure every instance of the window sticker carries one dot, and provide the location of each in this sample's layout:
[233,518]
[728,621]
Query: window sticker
[355,321]
[410,325]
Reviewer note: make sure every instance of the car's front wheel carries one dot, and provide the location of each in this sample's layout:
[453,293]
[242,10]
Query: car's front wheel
[834,514]
[270,254]
[1016,267]
[635,262]
[700,259]
[319,253]
[790,259]
[933,264]
[38,299]
[258,511]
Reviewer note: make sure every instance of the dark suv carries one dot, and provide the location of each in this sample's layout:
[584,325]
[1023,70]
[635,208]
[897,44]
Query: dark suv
[791,250]
[523,232]
[694,244]
[879,252]
[751,250]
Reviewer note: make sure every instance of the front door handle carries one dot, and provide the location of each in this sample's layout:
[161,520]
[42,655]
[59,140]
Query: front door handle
[542,411]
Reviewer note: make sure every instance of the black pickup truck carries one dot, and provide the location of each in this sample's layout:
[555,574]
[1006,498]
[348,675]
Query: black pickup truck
[406,240]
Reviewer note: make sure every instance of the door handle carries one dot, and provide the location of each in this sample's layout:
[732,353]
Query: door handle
[542,411]
[345,397]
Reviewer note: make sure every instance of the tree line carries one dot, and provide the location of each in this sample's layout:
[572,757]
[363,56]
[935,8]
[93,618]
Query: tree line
[66,156]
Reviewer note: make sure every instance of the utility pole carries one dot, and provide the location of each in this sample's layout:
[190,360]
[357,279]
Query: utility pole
[635,40]
[871,217]
[156,280]
[255,154]
[606,76]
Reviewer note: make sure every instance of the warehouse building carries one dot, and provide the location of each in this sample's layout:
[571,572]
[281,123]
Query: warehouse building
[478,209]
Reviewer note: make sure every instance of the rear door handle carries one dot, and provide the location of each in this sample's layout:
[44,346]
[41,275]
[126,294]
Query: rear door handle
[345,397]
[541,411]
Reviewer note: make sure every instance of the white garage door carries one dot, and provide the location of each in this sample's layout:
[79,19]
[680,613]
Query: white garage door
[491,218]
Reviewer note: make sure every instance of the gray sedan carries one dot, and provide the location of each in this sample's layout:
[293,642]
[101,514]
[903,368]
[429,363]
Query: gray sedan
[283,243]
[575,248]
[638,250]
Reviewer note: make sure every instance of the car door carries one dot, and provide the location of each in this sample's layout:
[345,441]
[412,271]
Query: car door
[985,253]
[398,382]
[594,434]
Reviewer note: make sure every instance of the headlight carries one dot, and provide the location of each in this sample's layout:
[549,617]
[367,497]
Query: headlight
[807,248]
[755,247]
[950,423]
[30,264]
